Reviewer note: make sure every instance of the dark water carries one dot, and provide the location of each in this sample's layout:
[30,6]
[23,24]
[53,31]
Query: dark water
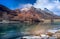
[15,30]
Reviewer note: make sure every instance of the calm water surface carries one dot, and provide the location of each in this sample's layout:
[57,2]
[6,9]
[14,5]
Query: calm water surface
[15,30]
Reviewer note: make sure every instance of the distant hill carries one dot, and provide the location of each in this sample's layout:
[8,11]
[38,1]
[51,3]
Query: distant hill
[4,8]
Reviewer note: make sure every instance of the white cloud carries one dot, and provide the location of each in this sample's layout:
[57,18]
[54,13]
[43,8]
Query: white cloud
[26,5]
[58,7]
[46,4]
[51,5]
[41,4]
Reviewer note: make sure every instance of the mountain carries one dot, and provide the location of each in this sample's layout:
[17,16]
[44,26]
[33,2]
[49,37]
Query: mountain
[51,14]
[6,13]
[32,13]
[4,8]
[45,9]
[27,14]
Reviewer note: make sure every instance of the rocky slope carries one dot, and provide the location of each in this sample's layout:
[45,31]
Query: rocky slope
[27,14]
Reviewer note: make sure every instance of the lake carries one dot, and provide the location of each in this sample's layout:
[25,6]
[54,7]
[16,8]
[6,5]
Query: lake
[15,30]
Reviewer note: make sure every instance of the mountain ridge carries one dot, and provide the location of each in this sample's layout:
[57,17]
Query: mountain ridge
[30,13]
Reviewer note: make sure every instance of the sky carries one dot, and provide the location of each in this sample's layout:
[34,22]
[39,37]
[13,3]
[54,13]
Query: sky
[12,4]
[52,5]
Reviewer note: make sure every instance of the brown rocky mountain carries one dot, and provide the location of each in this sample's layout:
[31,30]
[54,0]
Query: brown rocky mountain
[46,14]
[26,14]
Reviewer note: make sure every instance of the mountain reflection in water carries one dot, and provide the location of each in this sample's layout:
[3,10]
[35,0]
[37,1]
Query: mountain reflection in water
[15,30]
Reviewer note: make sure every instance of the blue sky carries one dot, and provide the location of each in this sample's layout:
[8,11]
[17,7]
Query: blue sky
[12,4]
[52,5]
